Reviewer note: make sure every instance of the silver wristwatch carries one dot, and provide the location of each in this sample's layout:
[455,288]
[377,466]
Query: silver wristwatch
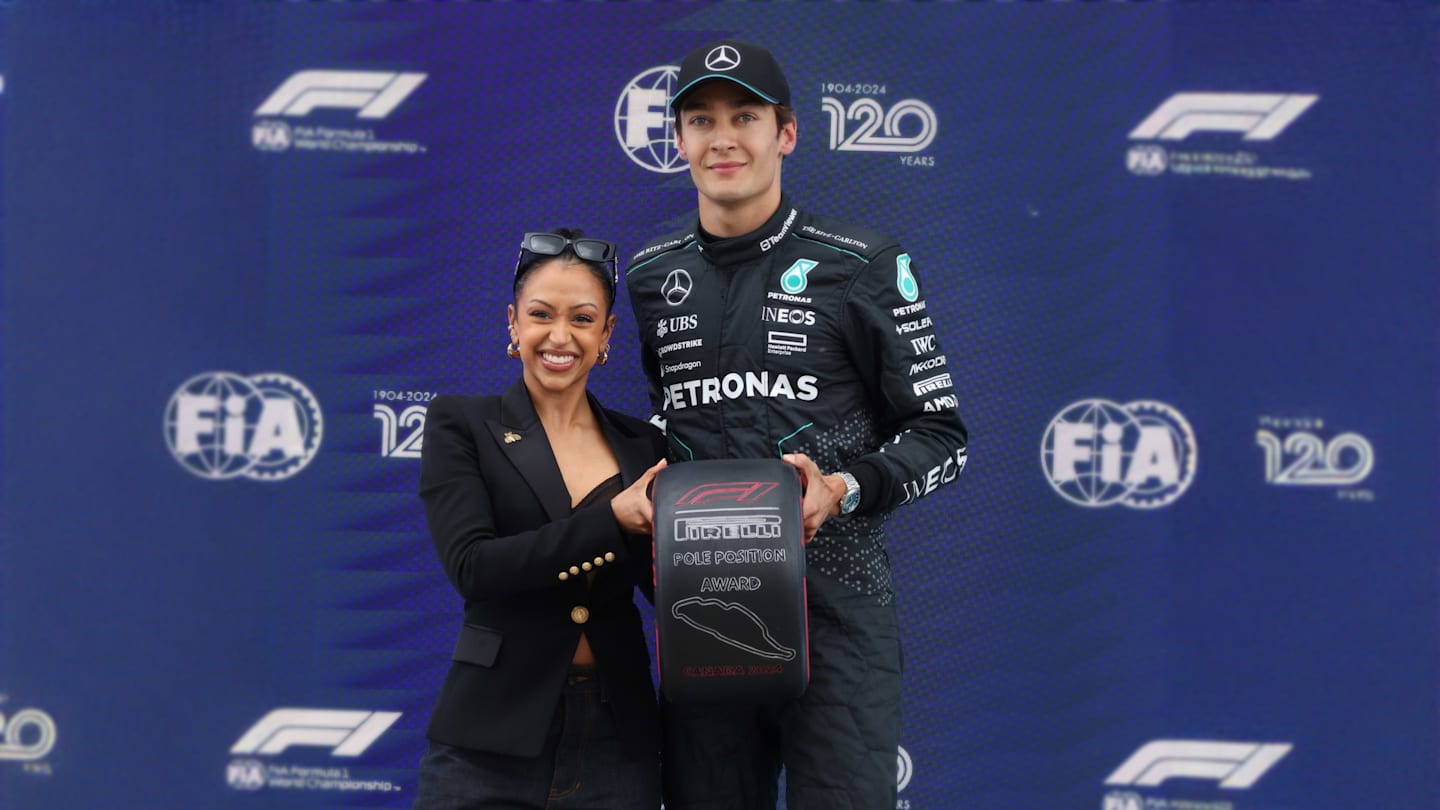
[852,493]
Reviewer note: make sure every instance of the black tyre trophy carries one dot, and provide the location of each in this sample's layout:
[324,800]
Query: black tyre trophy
[730,620]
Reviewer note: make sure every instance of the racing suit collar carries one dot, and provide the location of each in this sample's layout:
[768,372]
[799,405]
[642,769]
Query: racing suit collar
[753,245]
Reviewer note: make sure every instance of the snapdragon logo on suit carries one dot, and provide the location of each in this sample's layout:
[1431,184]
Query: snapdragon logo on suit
[221,425]
[345,734]
[302,114]
[1099,453]
[1217,120]
[863,117]
[643,125]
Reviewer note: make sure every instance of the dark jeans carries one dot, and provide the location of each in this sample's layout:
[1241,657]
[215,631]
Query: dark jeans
[581,767]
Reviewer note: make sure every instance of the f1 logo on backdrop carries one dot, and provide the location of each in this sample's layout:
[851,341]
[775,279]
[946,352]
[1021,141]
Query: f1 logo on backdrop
[1235,765]
[346,733]
[1099,453]
[375,94]
[222,425]
[643,124]
[1259,116]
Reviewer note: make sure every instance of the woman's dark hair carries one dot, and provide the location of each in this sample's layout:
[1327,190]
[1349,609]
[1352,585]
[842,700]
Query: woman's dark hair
[529,261]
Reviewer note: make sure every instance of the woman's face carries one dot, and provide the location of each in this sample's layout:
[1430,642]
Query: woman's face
[560,324]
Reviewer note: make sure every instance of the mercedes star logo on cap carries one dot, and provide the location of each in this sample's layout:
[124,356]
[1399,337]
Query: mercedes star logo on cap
[722,57]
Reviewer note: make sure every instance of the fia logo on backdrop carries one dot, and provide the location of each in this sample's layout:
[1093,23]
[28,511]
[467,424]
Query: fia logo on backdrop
[221,425]
[643,124]
[1098,453]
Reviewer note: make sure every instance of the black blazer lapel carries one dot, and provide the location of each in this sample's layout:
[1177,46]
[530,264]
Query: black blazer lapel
[633,451]
[522,437]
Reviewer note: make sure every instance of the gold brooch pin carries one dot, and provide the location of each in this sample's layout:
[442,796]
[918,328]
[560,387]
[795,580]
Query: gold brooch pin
[511,438]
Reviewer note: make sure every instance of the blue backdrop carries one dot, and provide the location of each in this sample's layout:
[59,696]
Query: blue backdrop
[1182,258]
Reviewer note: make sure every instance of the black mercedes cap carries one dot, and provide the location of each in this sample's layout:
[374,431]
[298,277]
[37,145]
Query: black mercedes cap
[749,66]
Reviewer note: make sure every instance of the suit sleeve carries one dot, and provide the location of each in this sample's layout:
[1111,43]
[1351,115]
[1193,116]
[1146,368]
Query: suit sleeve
[642,546]
[891,339]
[460,511]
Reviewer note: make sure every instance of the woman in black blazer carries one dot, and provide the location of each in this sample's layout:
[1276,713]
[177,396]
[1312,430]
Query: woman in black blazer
[536,501]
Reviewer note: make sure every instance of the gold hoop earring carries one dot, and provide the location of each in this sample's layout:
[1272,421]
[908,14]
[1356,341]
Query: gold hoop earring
[512,350]
[604,357]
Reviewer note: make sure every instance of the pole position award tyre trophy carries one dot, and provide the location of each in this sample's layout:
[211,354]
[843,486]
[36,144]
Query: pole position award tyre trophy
[730,620]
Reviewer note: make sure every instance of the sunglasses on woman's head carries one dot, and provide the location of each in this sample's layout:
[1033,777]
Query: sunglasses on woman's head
[553,244]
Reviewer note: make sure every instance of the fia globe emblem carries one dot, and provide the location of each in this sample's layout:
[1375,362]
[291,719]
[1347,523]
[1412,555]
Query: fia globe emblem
[222,425]
[642,121]
[1099,453]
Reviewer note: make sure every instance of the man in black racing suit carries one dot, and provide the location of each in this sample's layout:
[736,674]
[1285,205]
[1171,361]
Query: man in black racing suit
[770,331]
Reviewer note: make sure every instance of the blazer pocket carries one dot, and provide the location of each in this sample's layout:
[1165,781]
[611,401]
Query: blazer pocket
[477,645]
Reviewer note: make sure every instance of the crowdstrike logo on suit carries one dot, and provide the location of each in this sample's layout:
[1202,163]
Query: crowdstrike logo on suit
[1252,118]
[643,125]
[372,95]
[346,734]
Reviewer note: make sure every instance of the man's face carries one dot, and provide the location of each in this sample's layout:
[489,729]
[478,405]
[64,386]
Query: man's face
[730,138]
